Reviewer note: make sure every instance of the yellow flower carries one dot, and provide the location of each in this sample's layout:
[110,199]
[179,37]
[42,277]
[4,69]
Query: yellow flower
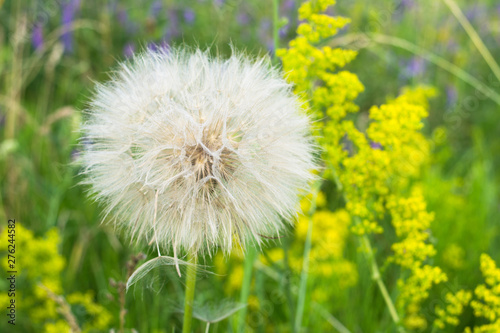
[454,308]
[487,304]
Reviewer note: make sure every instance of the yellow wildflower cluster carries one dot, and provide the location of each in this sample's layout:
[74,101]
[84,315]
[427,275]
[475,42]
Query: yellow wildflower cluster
[40,267]
[454,308]
[312,70]
[375,168]
[385,159]
[411,222]
[487,304]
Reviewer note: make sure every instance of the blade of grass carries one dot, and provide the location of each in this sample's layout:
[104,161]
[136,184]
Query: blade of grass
[331,319]
[473,35]
[301,299]
[431,57]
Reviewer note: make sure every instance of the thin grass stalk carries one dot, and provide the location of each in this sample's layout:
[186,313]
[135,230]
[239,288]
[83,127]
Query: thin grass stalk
[276,36]
[189,293]
[378,279]
[301,299]
[473,35]
[287,273]
[375,270]
[444,64]
[331,319]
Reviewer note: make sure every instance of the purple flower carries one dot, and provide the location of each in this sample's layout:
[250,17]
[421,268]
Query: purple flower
[243,18]
[189,15]
[375,145]
[156,8]
[472,13]
[265,35]
[125,21]
[69,10]
[451,95]
[173,26]
[128,50]
[37,36]
[289,5]
[407,4]
[163,46]
[284,31]
[415,67]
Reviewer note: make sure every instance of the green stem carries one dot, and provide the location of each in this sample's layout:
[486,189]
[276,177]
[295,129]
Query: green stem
[444,64]
[464,22]
[245,288]
[331,319]
[276,36]
[301,300]
[189,293]
[417,50]
[378,279]
[287,285]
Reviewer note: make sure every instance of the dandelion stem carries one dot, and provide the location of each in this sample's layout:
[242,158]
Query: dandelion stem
[189,293]
[378,278]
[305,260]
[245,288]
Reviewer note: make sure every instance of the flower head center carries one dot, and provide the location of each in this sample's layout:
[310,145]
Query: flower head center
[201,161]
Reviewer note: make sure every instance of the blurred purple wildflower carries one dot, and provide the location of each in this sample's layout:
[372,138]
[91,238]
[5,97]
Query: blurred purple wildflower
[37,36]
[69,10]
[451,95]
[155,9]
[265,34]
[415,67]
[125,21]
[284,30]
[189,15]
[407,4]
[375,145]
[288,5]
[218,3]
[128,50]
[347,145]
[163,46]
[243,18]
[472,13]
[173,25]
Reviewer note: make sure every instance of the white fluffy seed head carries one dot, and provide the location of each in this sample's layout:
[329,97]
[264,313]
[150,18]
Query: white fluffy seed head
[195,152]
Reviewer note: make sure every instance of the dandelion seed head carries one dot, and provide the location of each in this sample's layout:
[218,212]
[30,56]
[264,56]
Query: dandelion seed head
[195,151]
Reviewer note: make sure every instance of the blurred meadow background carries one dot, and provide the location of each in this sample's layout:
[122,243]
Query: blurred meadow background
[53,51]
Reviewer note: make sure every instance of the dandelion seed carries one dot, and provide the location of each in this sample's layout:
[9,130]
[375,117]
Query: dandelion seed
[194,151]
